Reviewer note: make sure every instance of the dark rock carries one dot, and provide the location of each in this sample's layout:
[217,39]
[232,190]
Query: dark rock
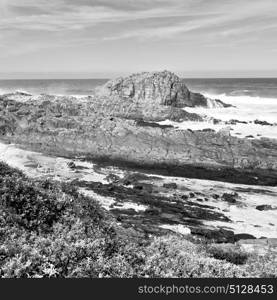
[144,187]
[234,122]
[138,187]
[215,196]
[231,198]
[220,236]
[208,130]
[170,185]
[264,207]
[250,136]
[220,103]
[263,123]
[243,236]
[191,195]
[152,211]
[160,209]
[110,188]
[199,200]
[151,124]
[216,121]
[129,211]
[71,165]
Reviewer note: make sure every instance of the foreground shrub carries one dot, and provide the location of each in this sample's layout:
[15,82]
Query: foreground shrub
[48,229]
[174,257]
[262,266]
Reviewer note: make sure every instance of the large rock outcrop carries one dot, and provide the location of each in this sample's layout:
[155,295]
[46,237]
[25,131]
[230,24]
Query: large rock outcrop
[160,88]
[67,127]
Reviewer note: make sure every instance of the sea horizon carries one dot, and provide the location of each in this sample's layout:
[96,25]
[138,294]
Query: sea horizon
[217,86]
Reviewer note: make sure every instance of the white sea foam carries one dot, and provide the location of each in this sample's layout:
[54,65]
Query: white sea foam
[3,91]
[238,130]
[181,229]
[245,108]
[211,103]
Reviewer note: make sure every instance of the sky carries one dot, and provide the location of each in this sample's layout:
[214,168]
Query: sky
[107,38]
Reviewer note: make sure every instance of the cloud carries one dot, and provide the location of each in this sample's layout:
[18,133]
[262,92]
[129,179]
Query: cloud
[70,15]
[223,20]
[44,16]
[34,24]
[123,5]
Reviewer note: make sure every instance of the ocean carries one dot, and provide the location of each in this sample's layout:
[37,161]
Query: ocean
[252,99]
[252,87]
[51,86]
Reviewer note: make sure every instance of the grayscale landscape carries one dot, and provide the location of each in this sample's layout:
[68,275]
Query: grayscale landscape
[141,144]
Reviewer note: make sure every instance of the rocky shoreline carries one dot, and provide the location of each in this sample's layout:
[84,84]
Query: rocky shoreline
[122,128]
[151,204]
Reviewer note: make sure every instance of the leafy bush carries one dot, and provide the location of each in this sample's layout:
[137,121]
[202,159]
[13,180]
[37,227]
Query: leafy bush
[32,207]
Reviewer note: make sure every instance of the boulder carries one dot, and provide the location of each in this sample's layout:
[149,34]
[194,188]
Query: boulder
[147,187]
[264,123]
[243,236]
[162,88]
[230,197]
[71,165]
[264,207]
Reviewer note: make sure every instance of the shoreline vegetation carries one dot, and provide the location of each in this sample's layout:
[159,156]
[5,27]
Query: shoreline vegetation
[48,229]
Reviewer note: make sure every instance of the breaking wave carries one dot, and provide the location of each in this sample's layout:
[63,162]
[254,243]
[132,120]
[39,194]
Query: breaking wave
[245,108]
[212,103]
